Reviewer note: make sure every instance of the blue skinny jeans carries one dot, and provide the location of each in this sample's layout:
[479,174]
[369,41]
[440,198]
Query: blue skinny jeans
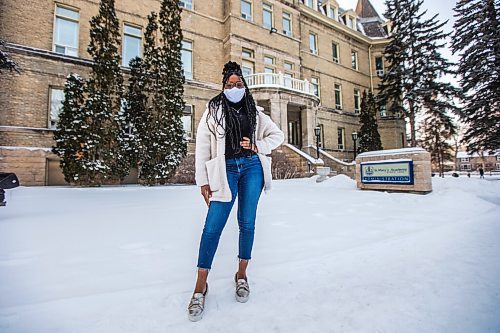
[246,180]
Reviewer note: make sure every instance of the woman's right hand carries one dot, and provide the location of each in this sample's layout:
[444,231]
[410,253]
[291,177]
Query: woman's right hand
[206,192]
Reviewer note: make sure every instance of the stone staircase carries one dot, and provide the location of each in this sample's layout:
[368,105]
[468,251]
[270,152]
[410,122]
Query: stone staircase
[303,163]
[306,164]
[337,166]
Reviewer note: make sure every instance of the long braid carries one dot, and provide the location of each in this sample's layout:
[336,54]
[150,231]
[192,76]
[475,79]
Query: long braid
[232,125]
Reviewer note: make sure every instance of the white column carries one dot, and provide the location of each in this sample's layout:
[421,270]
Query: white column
[279,110]
[307,120]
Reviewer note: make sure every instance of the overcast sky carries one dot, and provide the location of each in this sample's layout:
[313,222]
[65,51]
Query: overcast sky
[444,8]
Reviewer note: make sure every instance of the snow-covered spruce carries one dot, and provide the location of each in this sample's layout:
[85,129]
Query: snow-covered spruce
[104,89]
[155,104]
[72,131]
[414,60]
[477,41]
[368,135]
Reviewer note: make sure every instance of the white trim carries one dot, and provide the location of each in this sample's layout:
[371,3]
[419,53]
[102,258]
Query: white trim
[308,157]
[27,128]
[333,158]
[26,148]
[412,150]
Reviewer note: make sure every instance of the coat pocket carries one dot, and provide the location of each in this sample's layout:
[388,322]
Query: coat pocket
[213,172]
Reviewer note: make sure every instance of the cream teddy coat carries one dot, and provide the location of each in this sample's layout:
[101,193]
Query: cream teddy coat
[210,162]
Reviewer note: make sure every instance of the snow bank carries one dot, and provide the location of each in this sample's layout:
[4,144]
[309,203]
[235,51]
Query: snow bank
[327,258]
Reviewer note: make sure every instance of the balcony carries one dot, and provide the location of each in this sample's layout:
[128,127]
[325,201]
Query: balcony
[272,80]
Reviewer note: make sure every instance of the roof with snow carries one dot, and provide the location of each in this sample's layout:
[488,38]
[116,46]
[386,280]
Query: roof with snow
[369,22]
[464,154]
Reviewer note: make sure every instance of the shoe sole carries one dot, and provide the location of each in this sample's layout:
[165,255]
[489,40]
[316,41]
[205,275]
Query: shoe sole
[242,299]
[195,318]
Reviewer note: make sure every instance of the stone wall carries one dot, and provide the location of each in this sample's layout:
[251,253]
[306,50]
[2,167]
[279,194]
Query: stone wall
[421,169]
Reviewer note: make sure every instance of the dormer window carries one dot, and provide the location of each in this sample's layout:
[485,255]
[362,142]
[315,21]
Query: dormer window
[330,10]
[332,13]
[387,28]
[349,19]
[310,3]
[350,22]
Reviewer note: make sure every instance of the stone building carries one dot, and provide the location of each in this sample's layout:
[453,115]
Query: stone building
[306,62]
[472,162]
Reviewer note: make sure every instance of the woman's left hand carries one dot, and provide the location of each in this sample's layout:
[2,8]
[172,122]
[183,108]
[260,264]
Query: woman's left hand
[245,144]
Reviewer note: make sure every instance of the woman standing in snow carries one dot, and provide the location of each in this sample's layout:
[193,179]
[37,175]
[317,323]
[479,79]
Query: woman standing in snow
[233,138]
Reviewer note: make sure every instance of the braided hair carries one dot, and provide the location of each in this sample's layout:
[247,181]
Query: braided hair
[221,101]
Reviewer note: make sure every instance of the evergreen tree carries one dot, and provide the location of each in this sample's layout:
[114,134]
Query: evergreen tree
[164,144]
[135,120]
[477,40]
[6,62]
[72,131]
[436,131]
[104,160]
[411,56]
[369,137]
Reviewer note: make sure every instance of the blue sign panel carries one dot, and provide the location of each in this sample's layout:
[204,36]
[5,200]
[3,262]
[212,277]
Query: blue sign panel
[390,172]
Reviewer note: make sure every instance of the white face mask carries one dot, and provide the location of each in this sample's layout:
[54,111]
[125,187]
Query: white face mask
[235,94]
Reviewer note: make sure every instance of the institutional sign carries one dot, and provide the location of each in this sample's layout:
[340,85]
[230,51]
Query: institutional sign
[387,172]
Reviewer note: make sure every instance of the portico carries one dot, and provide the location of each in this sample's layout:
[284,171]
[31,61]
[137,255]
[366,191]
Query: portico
[289,102]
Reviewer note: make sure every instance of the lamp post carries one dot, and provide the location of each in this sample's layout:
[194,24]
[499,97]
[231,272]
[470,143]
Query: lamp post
[354,138]
[317,132]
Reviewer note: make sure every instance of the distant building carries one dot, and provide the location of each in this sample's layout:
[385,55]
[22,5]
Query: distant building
[306,62]
[468,162]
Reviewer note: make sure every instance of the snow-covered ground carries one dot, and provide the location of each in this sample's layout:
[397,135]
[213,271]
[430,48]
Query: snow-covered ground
[327,258]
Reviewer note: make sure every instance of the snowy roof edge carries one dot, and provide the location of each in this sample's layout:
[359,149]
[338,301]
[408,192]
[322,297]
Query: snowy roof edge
[393,151]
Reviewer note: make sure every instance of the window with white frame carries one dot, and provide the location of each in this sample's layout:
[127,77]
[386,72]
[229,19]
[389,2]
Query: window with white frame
[288,75]
[497,166]
[313,43]
[332,12]
[132,43]
[321,136]
[354,59]
[338,96]
[129,127]
[335,53]
[187,59]
[188,4]
[247,63]
[466,167]
[268,60]
[465,159]
[357,100]
[247,68]
[187,121]
[66,30]
[267,15]
[246,53]
[315,86]
[498,157]
[350,22]
[383,109]
[379,66]
[287,23]
[340,138]
[246,10]
[269,79]
[270,69]
[56,104]
[309,3]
